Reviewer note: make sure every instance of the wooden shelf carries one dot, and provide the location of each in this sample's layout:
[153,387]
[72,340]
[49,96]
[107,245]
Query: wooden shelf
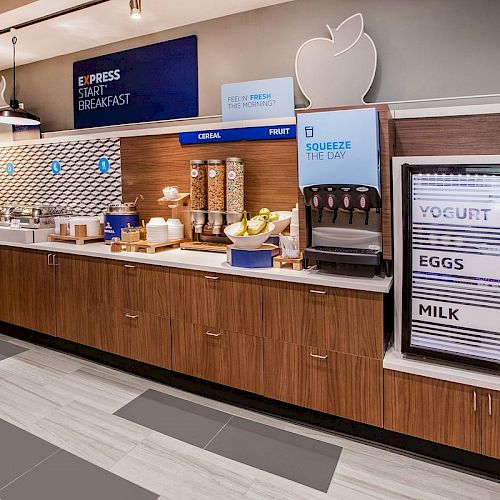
[181,200]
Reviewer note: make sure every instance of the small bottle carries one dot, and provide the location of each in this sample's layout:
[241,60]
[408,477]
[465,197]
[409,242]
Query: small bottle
[116,245]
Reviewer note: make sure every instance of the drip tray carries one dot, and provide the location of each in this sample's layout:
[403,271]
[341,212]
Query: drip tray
[343,255]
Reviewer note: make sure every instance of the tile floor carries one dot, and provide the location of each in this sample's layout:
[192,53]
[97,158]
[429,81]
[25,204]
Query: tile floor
[70,428]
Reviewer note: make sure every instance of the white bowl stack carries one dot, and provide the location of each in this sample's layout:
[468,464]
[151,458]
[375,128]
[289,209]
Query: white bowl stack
[175,230]
[157,230]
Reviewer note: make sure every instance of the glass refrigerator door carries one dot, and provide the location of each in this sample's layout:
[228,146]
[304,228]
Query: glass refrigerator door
[451,284]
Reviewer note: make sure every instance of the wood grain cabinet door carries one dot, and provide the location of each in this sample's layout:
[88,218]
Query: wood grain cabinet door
[296,374]
[355,323]
[147,338]
[145,288]
[217,355]
[490,411]
[436,410]
[355,389]
[81,299]
[295,313]
[219,301]
[29,289]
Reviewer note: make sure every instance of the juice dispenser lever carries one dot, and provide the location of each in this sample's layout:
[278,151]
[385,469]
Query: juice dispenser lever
[346,202]
[363,203]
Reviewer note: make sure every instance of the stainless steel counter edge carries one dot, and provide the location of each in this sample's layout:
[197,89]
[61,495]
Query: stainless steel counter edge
[213,262]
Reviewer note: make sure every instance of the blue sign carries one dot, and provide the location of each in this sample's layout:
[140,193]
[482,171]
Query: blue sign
[55,167]
[339,147]
[239,134]
[271,98]
[103,165]
[9,168]
[156,82]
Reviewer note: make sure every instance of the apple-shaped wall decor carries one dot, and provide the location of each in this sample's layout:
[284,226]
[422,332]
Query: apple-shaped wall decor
[337,71]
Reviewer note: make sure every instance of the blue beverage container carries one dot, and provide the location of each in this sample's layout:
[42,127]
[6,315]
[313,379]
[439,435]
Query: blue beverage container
[119,216]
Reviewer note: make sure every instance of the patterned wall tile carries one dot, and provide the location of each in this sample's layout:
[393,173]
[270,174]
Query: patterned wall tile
[79,185]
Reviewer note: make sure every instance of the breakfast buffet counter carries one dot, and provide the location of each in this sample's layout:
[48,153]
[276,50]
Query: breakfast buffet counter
[214,262]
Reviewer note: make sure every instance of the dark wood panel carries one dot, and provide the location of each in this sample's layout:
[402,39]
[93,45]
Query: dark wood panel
[490,410]
[146,288]
[217,300]
[292,375]
[217,355]
[432,409]
[335,383]
[27,290]
[355,322]
[387,145]
[295,313]
[148,338]
[271,175]
[270,170]
[356,388]
[448,135]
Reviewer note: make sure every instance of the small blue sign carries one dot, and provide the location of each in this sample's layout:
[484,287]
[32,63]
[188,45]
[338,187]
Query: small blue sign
[155,82]
[339,147]
[272,98]
[9,168]
[103,165]
[55,166]
[239,134]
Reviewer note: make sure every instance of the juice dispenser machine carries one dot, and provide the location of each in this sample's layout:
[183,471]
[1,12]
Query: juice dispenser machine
[339,175]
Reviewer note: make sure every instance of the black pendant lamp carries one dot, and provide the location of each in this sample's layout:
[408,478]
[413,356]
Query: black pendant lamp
[14,115]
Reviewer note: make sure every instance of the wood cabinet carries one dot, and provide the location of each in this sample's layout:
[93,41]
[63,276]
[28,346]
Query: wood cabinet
[221,301]
[27,295]
[218,355]
[432,409]
[347,321]
[137,335]
[490,413]
[336,383]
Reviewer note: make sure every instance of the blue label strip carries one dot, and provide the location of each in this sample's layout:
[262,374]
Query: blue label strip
[239,134]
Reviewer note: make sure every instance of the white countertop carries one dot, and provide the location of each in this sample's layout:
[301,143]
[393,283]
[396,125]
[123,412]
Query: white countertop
[215,263]
[459,374]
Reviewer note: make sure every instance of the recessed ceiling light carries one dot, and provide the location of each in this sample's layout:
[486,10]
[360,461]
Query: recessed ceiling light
[135,9]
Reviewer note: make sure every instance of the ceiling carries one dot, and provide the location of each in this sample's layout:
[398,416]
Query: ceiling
[101,24]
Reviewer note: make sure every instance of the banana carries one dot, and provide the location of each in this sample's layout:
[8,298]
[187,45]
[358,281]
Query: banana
[243,228]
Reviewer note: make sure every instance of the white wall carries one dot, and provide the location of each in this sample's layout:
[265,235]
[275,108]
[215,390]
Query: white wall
[427,48]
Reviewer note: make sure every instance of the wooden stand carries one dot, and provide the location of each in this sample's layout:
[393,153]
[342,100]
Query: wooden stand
[297,264]
[75,239]
[148,247]
[204,246]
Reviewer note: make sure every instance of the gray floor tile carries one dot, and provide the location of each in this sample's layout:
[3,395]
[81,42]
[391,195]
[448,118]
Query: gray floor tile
[175,417]
[65,476]
[279,452]
[19,451]
[7,349]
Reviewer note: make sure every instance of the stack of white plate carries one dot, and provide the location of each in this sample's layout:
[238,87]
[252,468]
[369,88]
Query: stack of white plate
[157,230]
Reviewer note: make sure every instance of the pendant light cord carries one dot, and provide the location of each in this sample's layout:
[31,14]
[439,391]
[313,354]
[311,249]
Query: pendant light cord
[14,41]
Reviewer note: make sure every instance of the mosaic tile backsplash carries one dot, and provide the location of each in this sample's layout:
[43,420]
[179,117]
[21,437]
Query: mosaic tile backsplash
[84,176]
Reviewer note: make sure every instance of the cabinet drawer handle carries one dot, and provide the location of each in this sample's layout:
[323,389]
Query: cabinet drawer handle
[54,260]
[131,316]
[211,277]
[475,401]
[318,356]
[129,266]
[319,292]
[490,406]
[211,334]
[49,256]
